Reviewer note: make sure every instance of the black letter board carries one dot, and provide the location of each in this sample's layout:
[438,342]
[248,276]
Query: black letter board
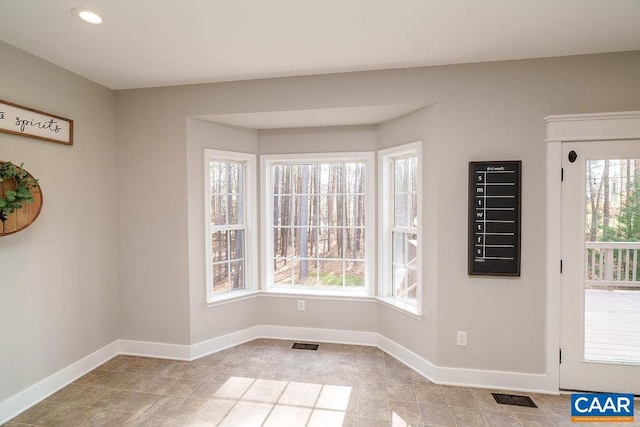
[494,218]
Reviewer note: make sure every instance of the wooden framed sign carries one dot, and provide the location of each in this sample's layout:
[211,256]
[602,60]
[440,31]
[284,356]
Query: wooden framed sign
[494,218]
[19,120]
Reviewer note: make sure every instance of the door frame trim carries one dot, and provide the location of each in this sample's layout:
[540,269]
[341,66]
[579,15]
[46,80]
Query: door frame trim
[570,128]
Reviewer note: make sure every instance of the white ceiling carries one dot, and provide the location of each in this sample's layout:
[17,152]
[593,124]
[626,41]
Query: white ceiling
[147,43]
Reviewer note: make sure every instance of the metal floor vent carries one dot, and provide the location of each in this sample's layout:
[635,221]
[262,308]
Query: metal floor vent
[512,399]
[303,346]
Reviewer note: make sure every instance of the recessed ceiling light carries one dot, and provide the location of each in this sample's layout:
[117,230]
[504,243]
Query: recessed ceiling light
[86,15]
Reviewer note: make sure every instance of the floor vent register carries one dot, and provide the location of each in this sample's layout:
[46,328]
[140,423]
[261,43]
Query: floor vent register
[515,400]
[303,346]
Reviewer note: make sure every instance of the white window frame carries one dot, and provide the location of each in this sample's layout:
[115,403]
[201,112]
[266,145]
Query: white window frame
[250,223]
[386,201]
[266,176]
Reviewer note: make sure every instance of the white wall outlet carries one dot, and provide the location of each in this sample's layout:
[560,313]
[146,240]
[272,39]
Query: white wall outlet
[301,304]
[461,338]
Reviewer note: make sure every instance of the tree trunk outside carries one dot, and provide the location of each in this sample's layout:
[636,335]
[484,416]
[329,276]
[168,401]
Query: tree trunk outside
[304,222]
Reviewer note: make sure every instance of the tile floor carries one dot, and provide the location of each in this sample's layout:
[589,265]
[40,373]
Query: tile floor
[266,383]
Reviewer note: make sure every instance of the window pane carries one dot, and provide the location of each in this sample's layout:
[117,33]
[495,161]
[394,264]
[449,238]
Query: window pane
[399,248]
[305,210]
[318,213]
[305,272]
[302,179]
[354,211]
[218,210]
[236,244]
[405,248]
[354,178]
[354,274]
[412,210]
[305,242]
[403,269]
[401,210]
[227,188]
[354,243]
[327,178]
[216,172]
[234,177]
[413,181]
[330,242]
[412,283]
[283,242]
[220,278]
[405,192]
[282,211]
[331,273]
[234,209]
[329,212]
[405,282]
[283,272]
[279,177]
[404,175]
[219,246]
[237,275]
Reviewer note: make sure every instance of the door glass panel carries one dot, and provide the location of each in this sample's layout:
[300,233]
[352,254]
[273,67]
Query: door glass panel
[612,261]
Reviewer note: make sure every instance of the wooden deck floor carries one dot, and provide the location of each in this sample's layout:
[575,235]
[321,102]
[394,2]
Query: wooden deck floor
[612,326]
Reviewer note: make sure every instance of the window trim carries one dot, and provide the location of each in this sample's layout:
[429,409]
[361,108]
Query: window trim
[386,225]
[266,203]
[250,219]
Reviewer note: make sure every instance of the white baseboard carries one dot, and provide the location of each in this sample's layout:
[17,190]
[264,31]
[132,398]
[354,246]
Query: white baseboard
[319,335]
[516,381]
[409,358]
[154,349]
[18,403]
[217,344]
[502,380]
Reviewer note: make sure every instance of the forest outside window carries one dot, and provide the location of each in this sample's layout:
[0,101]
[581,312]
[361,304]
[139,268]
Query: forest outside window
[400,266]
[228,220]
[318,221]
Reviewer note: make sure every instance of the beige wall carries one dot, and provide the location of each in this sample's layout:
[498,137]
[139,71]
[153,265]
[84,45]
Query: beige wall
[152,219]
[58,278]
[318,140]
[487,111]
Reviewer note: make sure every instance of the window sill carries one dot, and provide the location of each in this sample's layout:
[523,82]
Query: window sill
[393,303]
[401,307]
[231,297]
[319,294]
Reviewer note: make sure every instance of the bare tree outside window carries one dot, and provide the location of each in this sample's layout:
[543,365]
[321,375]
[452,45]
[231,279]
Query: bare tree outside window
[227,226]
[318,224]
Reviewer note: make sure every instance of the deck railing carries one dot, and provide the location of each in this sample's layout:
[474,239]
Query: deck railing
[612,264]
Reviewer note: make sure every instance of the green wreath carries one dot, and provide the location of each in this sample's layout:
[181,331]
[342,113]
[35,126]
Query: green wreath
[15,199]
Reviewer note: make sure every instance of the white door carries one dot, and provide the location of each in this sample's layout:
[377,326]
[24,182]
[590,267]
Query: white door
[600,286]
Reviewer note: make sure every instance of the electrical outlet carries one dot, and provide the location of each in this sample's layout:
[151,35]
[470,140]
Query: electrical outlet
[461,338]
[301,304]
